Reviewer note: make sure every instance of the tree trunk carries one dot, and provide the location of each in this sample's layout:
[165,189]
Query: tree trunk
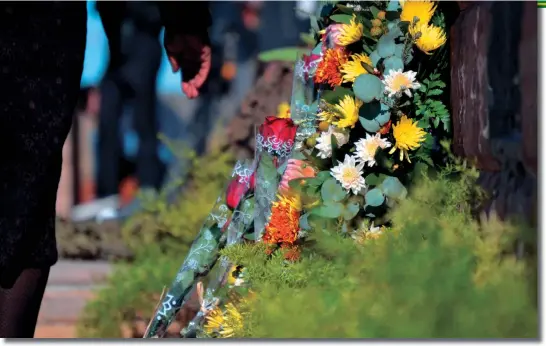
[494,102]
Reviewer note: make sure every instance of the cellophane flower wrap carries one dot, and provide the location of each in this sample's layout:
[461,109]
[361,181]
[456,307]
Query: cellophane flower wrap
[230,217]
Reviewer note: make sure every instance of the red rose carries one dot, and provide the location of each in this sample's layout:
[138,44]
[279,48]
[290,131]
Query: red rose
[278,135]
[235,191]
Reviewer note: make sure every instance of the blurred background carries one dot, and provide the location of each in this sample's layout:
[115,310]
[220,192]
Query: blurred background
[240,31]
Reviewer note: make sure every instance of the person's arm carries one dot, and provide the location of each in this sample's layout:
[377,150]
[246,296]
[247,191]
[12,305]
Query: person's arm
[187,41]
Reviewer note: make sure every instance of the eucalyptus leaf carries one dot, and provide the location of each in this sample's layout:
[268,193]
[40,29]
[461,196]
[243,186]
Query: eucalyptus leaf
[373,115]
[399,50]
[374,57]
[369,125]
[374,197]
[393,5]
[386,46]
[393,63]
[393,188]
[332,191]
[328,210]
[323,176]
[350,210]
[368,87]
[341,18]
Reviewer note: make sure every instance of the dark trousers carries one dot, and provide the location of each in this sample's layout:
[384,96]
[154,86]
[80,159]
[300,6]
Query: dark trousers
[131,76]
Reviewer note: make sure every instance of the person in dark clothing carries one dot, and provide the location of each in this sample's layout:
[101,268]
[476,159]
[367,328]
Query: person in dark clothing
[42,47]
[132,29]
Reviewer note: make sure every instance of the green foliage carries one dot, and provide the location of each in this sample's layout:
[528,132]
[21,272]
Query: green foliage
[436,274]
[174,226]
[429,109]
[132,290]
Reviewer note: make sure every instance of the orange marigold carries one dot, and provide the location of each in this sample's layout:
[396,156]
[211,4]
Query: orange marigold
[284,222]
[329,69]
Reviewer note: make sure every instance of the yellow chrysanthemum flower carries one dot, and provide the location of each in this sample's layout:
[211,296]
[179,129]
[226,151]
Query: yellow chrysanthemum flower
[233,322]
[347,110]
[283,110]
[345,34]
[430,37]
[353,68]
[214,321]
[408,136]
[423,9]
[327,114]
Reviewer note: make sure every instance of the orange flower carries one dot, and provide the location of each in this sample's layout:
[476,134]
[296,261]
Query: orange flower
[284,222]
[329,68]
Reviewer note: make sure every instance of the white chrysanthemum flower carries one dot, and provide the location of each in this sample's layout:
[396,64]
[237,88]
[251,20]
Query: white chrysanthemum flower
[367,147]
[397,82]
[349,174]
[324,141]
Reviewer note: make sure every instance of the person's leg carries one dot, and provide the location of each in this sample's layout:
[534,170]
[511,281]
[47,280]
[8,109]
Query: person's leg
[109,141]
[20,300]
[142,73]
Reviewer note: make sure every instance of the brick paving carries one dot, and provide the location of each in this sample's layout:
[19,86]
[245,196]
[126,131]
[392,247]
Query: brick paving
[70,286]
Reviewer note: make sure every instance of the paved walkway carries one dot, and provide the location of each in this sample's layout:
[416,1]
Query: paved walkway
[70,286]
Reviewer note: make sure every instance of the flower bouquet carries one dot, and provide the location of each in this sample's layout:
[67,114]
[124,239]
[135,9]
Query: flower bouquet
[229,219]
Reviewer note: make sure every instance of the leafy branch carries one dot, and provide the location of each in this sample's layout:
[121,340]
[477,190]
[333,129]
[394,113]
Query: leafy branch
[430,109]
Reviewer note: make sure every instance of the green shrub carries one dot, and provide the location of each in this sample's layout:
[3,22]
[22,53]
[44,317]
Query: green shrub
[160,236]
[174,226]
[132,290]
[436,274]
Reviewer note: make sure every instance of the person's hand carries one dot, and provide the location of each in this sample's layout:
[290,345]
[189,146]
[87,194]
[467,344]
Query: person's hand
[192,54]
